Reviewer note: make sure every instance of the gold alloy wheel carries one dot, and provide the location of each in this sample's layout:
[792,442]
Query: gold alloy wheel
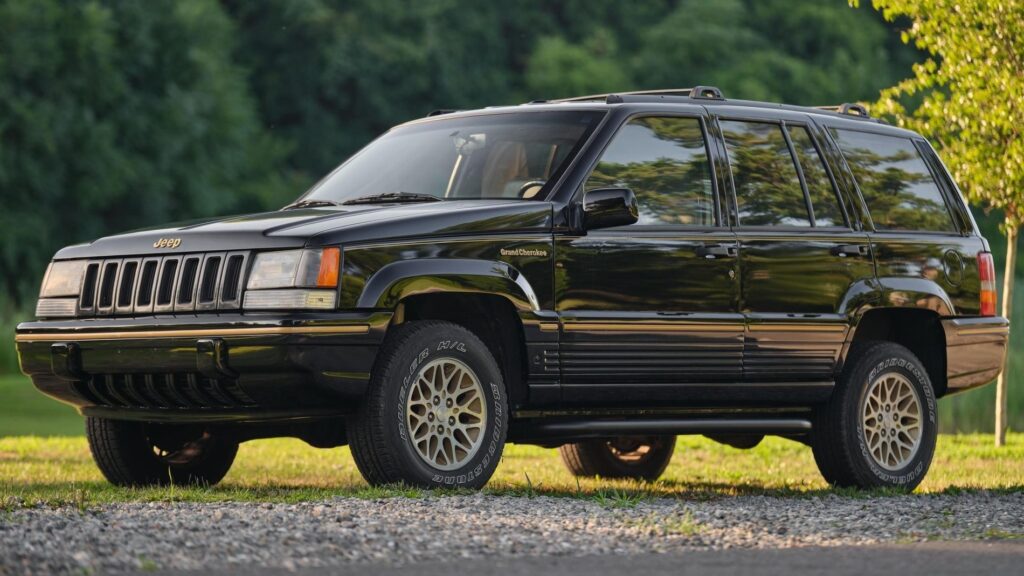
[892,419]
[446,413]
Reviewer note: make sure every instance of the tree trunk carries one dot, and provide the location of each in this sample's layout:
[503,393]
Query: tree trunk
[1011,256]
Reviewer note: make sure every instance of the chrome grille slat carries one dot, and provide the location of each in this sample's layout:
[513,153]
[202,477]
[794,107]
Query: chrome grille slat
[124,295]
[145,291]
[109,273]
[185,291]
[167,283]
[208,283]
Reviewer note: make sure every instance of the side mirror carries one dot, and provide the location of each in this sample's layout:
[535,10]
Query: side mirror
[607,207]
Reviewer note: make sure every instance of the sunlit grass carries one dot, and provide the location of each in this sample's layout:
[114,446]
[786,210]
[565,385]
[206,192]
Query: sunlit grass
[59,471]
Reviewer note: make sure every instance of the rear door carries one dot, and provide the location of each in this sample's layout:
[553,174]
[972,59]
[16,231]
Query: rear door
[920,234]
[803,261]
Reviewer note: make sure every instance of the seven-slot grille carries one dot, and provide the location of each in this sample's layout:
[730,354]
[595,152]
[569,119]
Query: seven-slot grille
[162,285]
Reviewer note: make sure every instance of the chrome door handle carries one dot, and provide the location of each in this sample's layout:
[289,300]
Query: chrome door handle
[844,250]
[718,251]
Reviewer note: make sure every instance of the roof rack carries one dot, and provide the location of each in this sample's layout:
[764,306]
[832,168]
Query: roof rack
[848,109]
[697,92]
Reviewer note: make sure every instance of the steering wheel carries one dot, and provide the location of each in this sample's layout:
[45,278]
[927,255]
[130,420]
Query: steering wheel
[531,188]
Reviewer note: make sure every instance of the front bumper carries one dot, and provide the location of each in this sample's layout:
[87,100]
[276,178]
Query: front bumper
[975,351]
[205,368]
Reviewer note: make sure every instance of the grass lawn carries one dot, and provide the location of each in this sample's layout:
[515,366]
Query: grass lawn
[44,459]
[24,411]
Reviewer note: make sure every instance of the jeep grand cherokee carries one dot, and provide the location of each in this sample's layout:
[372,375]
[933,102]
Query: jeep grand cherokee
[599,274]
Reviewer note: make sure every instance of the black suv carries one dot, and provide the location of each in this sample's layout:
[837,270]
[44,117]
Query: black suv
[600,273]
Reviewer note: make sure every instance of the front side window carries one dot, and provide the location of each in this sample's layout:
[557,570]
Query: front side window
[895,182]
[664,160]
[506,155]
[768,191]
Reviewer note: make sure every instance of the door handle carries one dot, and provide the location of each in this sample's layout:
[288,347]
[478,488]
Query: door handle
[718,251]
[844,250]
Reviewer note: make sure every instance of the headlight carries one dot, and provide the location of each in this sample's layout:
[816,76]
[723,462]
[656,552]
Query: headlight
[291,279]
[63,279]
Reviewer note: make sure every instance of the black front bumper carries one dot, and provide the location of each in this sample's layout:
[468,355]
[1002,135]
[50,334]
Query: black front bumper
[205,368]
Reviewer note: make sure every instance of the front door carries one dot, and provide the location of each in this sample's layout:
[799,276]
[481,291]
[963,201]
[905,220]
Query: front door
[649,311]
[802,263]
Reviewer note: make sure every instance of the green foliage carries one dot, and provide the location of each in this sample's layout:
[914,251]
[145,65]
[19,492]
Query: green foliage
[971,90]
[117,115]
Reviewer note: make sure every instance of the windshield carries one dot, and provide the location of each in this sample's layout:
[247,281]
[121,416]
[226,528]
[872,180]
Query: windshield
[506,155]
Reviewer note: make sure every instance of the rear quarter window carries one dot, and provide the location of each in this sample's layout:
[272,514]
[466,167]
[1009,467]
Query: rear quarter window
[900,191]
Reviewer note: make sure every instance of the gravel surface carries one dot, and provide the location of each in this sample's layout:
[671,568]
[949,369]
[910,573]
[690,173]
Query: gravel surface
[133,537]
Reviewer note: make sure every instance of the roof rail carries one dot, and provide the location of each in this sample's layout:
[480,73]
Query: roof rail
[848,109]
[697,92]
[441,112]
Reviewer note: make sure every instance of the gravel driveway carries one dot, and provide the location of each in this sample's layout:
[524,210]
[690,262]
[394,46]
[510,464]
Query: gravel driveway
[132,537]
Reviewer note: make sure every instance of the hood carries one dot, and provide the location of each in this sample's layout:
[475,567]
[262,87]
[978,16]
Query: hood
[325,226]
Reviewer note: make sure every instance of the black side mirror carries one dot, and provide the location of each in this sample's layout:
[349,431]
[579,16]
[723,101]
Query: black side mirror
[607,207]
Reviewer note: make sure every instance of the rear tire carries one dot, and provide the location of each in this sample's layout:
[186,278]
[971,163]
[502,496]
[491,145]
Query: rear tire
[879,428]
[636,457]
[435,414]
[140,454]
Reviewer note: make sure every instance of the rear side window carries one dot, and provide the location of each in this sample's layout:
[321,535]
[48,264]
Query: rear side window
[664,160]
[824,201]
[768,191]
[897,186]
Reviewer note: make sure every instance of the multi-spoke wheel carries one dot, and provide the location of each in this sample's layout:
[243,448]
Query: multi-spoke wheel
[639,457]
[892,421]
[445,413]
[141,454]
[880,426]
[435,414]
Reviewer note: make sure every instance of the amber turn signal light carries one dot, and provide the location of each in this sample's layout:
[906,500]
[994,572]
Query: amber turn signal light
[330,263]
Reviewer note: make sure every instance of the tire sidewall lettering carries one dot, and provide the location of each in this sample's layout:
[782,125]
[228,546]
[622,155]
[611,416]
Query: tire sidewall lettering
[920,382]
[481,464]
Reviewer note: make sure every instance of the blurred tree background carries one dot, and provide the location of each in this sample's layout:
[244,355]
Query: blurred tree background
[120,114]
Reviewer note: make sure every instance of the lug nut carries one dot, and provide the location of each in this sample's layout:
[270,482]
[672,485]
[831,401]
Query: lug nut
[451,421]
[440,429]
[437,400]
[448,403]
[430,417]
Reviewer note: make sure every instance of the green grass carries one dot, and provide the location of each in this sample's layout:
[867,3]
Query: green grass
[59,471]
[44,458]
[24,411]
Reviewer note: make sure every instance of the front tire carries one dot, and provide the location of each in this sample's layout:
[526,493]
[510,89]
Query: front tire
[636,457]
[435,415]
[139,454]
[879,428]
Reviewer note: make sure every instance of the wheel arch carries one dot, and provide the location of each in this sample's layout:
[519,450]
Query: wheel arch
[918,329]
[398,281]
[492,317]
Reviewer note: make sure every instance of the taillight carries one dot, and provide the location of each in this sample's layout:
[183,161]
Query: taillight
[987,275]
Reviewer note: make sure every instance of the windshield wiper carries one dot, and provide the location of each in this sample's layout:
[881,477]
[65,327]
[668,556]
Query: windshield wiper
[312,203]
[393,197]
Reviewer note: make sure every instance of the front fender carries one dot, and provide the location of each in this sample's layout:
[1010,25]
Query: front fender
[399,280]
